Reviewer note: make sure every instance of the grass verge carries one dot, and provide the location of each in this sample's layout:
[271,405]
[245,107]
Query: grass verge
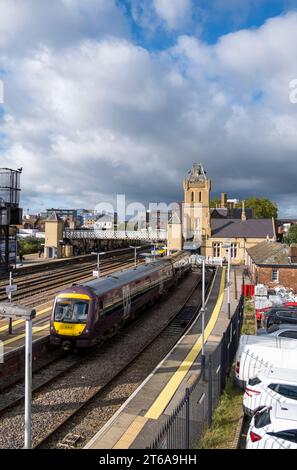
[228,413]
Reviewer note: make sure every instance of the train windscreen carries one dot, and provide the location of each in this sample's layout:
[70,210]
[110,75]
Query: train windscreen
[71,311]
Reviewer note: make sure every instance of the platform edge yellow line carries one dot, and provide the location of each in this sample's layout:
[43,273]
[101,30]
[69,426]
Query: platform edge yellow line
[169,390]
[131,433]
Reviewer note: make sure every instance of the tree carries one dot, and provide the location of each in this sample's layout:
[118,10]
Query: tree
[263,208]
[291,236]
[214,202]
[29,245]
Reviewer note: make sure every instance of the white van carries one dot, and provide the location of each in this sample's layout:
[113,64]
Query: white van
[256,353]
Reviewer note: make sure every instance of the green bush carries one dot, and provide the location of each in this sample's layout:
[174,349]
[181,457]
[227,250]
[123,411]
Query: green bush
[29,245]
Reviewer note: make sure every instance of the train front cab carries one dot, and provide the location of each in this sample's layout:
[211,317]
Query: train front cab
[71,321]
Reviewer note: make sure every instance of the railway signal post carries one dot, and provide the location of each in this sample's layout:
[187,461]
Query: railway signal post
[9,310]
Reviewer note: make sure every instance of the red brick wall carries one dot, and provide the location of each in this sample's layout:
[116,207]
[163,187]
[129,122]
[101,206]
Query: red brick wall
[287,277]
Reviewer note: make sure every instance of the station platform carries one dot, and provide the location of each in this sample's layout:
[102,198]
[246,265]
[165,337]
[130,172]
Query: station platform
[136,424]
[16,340]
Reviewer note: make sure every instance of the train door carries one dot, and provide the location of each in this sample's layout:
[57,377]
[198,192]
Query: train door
[126,292]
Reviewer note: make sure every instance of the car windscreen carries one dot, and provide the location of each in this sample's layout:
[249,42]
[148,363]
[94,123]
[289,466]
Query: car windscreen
[71,311]
[262,418]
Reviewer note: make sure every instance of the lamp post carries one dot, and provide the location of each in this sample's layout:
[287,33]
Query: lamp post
[97,273]
[135,248]
[155,246]
[9,310]
[203,320]
[10,301]
[227,245]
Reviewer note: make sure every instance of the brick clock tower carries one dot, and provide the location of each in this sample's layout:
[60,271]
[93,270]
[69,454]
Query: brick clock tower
[196,218]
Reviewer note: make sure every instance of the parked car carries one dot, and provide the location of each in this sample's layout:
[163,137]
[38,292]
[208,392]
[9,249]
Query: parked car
[264,312]
[270,386]
[256,353]
[281,330]
[279,315]
[273,427]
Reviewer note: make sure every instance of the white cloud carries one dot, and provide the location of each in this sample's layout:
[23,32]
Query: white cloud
[175,13]
[102,116]
[28,23]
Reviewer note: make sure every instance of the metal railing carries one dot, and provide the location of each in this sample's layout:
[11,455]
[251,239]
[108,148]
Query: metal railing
[149,235]
[193,415]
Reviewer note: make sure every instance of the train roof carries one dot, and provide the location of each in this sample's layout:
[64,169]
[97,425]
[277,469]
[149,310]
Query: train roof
[119,279]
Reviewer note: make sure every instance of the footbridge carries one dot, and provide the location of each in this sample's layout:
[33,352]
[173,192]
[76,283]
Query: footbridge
[141,235]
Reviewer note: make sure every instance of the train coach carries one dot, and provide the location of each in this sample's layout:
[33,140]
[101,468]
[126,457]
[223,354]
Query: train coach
[85,314]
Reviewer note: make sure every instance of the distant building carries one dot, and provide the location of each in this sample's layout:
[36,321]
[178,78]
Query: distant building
[105,222]
[273,263]
[62,213]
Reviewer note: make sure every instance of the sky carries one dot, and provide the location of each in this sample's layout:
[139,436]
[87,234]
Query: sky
[106,97]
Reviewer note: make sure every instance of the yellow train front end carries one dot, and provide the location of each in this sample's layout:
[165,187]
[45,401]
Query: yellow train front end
[71,319]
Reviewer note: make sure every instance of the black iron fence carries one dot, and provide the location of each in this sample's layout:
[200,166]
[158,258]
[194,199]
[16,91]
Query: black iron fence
[193,415]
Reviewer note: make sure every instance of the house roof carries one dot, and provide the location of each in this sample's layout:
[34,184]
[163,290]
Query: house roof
[236,228]
[271,253]
[53,217]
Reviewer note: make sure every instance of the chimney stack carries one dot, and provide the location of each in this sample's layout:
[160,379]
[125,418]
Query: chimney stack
[243,214]
[224,200]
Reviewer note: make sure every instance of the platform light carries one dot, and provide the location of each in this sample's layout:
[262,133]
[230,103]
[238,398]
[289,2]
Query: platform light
[97,273]
[203,320]
[135,248]
[228,245]
[10,310]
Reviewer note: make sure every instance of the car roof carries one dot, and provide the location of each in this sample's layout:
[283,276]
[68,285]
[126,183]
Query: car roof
[286,326]
[282,308]
[288,375]
[284,412]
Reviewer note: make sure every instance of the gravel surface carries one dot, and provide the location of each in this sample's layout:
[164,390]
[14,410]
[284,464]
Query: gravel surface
[59,399]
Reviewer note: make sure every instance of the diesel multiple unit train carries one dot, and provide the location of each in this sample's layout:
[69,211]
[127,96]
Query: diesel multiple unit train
[84,314]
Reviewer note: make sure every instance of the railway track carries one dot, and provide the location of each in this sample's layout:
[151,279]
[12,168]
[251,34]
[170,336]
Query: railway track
[65,398]
[36,282]
[29,292]
[51,287]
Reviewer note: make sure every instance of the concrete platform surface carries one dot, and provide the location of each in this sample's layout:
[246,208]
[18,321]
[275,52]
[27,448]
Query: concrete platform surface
[138,421]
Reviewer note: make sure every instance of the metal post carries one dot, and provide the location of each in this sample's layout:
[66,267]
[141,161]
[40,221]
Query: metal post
[203,320]
[98,265]
[229,263]
[242,293]
[135,257]
[10,300]
[28,383]
[187,418]
[209,391]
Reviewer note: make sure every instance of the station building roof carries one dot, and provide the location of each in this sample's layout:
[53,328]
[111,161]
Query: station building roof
[236,228]
[272,254]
